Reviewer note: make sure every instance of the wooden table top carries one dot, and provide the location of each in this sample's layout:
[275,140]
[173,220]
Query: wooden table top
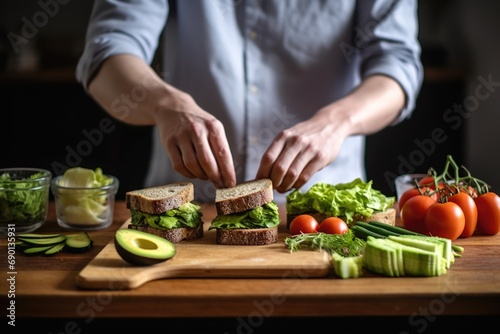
[44,287]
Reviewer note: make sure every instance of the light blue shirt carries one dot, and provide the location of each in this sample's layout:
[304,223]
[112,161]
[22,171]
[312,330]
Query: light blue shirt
[261,66]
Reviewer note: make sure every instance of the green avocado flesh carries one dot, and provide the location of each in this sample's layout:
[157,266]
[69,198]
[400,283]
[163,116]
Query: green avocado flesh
[141,248]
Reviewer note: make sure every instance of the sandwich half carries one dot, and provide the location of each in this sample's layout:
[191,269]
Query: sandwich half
[166,211]
[246,214]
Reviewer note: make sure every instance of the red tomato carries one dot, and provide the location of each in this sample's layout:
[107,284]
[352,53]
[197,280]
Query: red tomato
[468,206]
[414,192]
[427,181]
[333,225]
[488,213]
[445,220]
[304,224]
[469,190]
[413,213]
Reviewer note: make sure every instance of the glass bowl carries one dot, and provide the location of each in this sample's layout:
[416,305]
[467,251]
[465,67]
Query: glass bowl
[24,199]
[84,209]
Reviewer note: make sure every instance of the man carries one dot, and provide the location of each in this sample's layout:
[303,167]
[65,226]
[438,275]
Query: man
[285,89]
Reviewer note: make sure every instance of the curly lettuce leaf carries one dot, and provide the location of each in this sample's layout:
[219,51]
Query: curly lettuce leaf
[340,200]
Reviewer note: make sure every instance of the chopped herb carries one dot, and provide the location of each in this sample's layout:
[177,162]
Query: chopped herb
[346,244]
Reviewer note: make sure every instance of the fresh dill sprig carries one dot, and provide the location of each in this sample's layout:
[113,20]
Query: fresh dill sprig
[344,244]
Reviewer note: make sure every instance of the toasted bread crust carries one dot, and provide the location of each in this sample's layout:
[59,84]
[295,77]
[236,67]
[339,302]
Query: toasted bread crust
[157,200]
[249,237]
[244,196]
[174,235]
[387,217]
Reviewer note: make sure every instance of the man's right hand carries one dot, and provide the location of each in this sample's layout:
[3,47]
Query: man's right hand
[196,142]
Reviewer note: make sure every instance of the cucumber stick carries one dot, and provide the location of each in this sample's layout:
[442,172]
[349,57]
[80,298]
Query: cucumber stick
[347,267]
[380,258]
[391,230]
[403,257]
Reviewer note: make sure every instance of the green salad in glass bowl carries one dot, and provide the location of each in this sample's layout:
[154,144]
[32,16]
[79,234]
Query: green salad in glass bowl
[24,198]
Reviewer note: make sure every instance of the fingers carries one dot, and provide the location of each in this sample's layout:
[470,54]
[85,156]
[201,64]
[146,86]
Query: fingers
[202,151]
[291,160]
[214,155]
[223,159]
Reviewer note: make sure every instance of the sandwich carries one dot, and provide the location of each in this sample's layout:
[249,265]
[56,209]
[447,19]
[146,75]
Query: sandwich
[167,211]
[353,201]
[246,214]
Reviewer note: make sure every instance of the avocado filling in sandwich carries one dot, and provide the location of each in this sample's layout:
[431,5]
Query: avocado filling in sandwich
[355,198]
[187,215]
[264,216]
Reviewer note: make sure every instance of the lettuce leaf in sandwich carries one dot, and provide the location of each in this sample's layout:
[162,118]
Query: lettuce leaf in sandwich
[187,215]
[265,216]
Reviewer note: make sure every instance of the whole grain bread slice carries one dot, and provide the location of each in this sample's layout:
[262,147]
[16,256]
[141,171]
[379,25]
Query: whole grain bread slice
[173,235]
[244,196]
[387,217]
[157,200]
[247,236]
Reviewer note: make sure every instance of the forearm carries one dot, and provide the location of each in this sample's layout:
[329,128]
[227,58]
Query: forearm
[370,107]
[129,90]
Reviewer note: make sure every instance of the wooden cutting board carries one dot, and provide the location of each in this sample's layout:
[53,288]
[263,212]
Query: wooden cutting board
[204,258]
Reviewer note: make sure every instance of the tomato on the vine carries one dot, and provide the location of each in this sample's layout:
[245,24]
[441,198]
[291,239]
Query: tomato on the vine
[427,181]
[414,211]
[303,224]
[469,208]
[445,220]
[488,213]
[414,192]
[333,225]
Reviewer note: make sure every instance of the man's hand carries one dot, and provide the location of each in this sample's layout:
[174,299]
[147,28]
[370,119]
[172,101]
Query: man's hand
[302,150]
[196,143]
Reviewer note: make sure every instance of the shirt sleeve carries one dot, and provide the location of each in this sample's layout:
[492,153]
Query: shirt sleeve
[121,27]
[387,38]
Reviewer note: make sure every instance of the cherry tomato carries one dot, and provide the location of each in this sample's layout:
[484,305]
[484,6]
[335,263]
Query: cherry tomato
[333,225]
[468,206]
[488,213]
[414,211]
[445,220]
[414,192]
[304,224]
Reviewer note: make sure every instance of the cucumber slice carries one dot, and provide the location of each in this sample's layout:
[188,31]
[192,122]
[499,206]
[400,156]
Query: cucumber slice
[79,242]
[37,235]
[43,241]
[420,243]
[444,243]
[36,250]
[419,258]
[55,249]
[398,261]
[379,257]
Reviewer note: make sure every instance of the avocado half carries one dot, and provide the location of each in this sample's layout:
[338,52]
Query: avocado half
[141,248]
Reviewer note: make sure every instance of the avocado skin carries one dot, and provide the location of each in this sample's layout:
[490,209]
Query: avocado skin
[137,259]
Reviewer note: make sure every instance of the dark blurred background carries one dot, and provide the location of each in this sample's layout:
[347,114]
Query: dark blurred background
[48,121]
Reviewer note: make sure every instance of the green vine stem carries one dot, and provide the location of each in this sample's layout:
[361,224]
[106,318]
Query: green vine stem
[454,182]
